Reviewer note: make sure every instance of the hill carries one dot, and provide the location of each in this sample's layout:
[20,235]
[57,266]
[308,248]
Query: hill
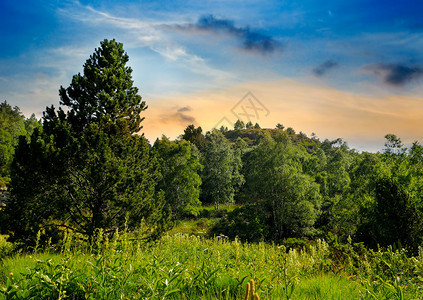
[252,136]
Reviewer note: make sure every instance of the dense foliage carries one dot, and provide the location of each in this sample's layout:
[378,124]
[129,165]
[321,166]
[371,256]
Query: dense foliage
[89,168]
[221,174]
[179,164]
[304,188]
[86,169]
[12,125]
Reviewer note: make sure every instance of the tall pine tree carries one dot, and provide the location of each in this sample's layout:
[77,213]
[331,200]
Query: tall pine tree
[87,168]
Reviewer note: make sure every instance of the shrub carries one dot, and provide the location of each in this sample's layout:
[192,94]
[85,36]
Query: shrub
[6,248]
[246,223]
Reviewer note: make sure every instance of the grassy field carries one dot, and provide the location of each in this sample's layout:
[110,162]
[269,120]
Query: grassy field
[190,267]
[201,224]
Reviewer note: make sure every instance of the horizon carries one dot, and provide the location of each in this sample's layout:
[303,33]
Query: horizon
[330,68]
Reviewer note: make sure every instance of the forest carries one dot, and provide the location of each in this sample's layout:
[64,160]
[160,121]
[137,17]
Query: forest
[300,217]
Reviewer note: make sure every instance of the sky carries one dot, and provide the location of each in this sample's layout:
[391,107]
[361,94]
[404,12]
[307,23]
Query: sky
[338,69]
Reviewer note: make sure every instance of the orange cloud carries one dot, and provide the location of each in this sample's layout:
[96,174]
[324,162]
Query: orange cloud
[330,113]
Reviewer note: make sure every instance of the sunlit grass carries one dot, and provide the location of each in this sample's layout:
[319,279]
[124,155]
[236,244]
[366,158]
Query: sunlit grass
[227,207]
[201,225]
[328,286]
[191,267]
[198,227]
[17,265]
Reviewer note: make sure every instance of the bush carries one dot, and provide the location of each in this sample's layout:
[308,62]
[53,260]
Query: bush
[246,223]
[6,248]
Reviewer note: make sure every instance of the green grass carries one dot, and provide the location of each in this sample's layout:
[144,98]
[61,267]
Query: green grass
[191,267]
[206,219]
[198,227]
[6,248]
[227,207]
[328,286]
[177,267]
[19,264]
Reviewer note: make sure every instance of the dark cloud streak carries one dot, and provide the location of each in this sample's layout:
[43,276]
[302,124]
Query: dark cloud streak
[396,74]
[179,116]
[324,68]
[184,109]
[251,40]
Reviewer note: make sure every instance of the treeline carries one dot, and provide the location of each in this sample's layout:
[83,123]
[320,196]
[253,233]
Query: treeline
[13,124]
[88,169]
[292,186]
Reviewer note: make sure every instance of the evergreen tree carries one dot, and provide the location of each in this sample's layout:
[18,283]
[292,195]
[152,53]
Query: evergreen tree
[280,126]
[195,136]
[239,125]
[87,169]
[393,144]
[223,129]
[290,131]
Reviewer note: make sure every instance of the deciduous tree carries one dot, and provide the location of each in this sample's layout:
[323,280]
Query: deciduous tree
[221,174]
[12,125]
[179,166]
[274,178]
[396,218]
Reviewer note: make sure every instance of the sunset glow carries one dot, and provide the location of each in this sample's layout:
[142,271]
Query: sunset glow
[332,68]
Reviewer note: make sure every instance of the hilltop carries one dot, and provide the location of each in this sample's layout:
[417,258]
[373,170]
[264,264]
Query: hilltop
[252,136]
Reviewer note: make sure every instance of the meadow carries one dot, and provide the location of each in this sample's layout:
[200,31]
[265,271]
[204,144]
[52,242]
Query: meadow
[182,266]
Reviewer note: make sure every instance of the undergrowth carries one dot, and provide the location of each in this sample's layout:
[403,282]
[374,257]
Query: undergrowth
[191,267]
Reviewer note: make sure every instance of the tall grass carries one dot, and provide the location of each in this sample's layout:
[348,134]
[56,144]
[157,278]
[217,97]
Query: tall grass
[190,267]
[6,248]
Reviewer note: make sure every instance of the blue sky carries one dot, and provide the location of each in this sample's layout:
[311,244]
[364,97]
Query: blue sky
[350,69]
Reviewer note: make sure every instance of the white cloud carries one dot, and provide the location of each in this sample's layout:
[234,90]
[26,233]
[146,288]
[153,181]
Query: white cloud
[31,92]
[150,34]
